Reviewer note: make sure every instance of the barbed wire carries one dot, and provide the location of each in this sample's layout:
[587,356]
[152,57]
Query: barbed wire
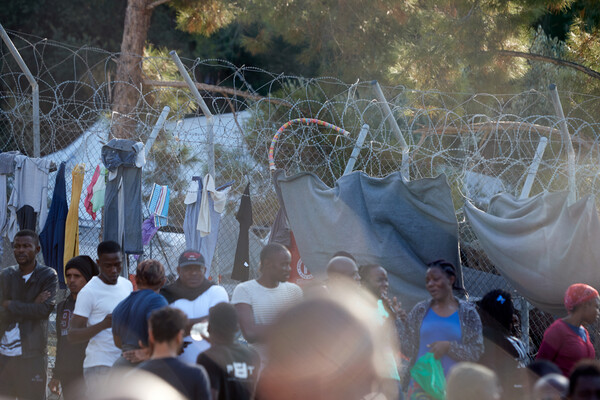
[484,143]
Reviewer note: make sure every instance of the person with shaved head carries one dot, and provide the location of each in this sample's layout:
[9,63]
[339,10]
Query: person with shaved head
[342,267]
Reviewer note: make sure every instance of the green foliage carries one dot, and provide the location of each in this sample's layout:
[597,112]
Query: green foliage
[158,65]
[346,39]
[204,17]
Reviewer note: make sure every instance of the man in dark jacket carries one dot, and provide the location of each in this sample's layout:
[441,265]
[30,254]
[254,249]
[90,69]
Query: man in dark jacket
[27,295]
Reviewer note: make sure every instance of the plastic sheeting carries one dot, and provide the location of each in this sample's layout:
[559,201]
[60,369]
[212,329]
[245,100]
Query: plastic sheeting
[399,225]
[541,245]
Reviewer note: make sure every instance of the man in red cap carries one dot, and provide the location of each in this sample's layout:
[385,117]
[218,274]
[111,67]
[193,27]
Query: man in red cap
[193,294]
[566,341]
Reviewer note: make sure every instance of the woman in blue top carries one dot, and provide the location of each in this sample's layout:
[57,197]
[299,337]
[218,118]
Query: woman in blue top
[444,325]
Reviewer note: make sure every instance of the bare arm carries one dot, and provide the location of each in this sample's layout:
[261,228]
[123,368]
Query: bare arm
[79,332]
[251,330]
[118,341]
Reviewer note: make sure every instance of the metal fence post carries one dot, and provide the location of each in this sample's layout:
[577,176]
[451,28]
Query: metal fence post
[566,138]
[533,168]
[157,127]
[35,89]
[395,128]
[525,323]
[205,110]
[356,150]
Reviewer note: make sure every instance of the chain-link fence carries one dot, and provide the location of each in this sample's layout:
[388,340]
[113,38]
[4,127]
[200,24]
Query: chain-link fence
[483,143]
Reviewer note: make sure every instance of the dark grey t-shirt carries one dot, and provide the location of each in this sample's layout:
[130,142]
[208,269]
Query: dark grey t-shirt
[190,380]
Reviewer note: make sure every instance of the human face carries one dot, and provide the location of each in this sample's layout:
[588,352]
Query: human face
[592,311]
[278,266]
[438,283]
[110,266]
[192,276]
[587,388]
[25,248]
[343,268]
[75,280]
[350,272]
[377,281]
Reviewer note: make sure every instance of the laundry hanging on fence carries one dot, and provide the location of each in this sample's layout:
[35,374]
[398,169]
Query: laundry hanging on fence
[52,237]
[7,167]
[399,225]
[148,230]
[280,230]
[28,203]
[282,234]
[214,205]
[99,191]
[87,202]
[72,223]
[123,197]
[218,198]
[541,245]
[241,263]
[158,205]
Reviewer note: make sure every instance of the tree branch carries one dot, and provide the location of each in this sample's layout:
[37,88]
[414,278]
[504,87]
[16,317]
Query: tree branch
[217,89]
[155,4]
[552,60]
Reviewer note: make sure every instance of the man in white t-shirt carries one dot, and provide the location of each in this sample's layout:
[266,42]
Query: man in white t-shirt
[92,317]
[193,294]
[259,301]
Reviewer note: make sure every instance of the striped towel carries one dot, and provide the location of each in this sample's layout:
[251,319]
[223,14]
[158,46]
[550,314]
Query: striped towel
[158,205]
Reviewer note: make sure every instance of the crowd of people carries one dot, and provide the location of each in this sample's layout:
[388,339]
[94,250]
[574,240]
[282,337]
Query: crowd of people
[341,338]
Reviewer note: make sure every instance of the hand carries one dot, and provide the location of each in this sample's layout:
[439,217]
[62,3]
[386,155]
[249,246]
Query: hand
[439,349]
[5,303]
[107,321]
[42,297]
[393,306]
[397,306]
[138,355]
[54,386]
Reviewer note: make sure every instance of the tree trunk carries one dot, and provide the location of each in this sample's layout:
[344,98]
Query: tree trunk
[129,69]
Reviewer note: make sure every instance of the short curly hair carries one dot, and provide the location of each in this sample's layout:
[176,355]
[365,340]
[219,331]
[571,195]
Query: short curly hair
[150,273]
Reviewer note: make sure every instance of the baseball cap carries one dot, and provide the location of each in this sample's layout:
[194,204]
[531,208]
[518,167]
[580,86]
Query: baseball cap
[191,257]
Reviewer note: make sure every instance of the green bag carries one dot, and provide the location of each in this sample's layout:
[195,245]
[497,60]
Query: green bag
[429,374]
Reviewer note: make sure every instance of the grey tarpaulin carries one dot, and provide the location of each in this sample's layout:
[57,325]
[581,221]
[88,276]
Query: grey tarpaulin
[399,225]
[541,245]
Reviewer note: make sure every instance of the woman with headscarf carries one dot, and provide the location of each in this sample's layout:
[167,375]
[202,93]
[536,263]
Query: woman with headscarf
[566,341]
[444,325]
[68,368]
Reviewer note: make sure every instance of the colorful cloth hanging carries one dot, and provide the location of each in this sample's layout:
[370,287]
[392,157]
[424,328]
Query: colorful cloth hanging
[72,223]
[158,205]
[98,191]
[89,207]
